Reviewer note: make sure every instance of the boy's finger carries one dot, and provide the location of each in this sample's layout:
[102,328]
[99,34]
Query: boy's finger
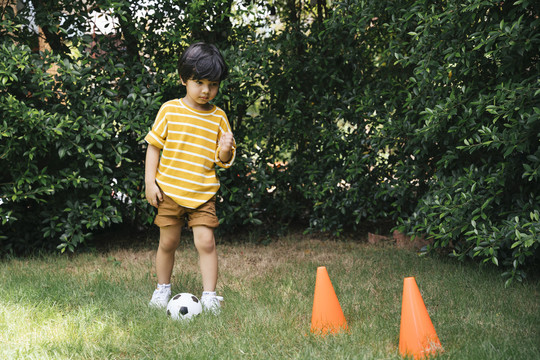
[228,137]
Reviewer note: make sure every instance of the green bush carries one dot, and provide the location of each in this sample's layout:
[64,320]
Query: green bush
[71,144]
[419,114]
[473,129]
[73,161]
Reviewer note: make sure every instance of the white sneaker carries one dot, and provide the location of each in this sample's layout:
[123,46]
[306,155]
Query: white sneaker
[211,303]
[160,298]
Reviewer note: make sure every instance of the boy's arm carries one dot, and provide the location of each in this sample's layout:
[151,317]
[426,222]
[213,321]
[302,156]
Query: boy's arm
[153,192]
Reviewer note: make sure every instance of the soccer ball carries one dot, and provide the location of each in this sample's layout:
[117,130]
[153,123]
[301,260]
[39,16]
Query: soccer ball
[184,306]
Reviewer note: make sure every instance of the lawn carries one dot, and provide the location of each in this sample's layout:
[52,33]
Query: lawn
[93,305]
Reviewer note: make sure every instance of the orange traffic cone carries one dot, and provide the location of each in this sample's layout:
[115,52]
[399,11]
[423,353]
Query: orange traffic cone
[417,336]
[327,316]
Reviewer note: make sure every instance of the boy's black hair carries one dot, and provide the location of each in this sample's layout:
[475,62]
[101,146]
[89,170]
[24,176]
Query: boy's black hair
[202,61]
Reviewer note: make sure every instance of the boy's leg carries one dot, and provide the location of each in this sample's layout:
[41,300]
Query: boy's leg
[205,243]
[169,238]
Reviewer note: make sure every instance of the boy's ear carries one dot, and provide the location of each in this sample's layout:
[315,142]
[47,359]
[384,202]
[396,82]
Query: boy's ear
[182,81]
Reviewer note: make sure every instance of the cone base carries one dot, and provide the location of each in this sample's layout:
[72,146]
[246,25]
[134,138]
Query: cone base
[430,349]
[332,329]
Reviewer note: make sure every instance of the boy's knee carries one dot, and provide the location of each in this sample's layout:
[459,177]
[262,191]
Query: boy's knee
[204,239]
[168,245]
[169,239]
[207,246]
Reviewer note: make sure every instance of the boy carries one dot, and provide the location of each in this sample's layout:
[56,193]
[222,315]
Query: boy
[192,136]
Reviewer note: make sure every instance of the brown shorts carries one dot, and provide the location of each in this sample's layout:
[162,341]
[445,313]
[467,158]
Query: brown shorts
[170,213]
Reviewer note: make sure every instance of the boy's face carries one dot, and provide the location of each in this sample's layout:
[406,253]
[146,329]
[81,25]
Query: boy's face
[200,92]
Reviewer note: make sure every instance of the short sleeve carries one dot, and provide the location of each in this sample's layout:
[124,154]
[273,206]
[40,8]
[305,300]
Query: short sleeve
[158,133]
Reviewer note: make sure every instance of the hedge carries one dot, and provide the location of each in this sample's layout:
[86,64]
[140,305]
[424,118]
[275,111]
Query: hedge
[419,114]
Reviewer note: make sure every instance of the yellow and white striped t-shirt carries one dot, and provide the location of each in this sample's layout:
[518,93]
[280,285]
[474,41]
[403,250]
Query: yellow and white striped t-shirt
[189,140]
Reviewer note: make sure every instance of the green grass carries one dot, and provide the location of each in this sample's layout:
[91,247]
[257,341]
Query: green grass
[94,305]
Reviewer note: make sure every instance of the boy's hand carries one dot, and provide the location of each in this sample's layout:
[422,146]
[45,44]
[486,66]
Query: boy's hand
[227,141]
[153,194]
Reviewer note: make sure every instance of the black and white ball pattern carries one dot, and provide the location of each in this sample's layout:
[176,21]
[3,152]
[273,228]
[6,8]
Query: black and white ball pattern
[184,306]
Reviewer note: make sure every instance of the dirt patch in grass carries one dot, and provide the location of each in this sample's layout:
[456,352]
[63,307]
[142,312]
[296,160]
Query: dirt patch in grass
[239,262]
[253,259]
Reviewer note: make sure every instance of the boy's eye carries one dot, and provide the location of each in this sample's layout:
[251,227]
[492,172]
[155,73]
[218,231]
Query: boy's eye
[201,82]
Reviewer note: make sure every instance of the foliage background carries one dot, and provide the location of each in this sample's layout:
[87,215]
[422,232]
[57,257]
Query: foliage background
[422,115]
